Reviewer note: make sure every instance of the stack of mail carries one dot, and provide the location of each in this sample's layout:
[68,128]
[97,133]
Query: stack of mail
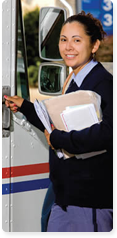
[75,111]
[56,105]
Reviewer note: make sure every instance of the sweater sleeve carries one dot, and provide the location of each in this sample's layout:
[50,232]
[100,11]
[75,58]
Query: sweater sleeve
[28,110]
[95,138]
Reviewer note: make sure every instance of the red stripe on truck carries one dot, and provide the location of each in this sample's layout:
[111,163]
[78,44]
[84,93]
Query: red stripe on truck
[24,170]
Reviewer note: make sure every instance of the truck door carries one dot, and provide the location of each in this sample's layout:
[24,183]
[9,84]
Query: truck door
[24,148]
[25,168]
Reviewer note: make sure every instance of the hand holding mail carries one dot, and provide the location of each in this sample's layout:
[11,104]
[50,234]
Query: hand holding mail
[47,135]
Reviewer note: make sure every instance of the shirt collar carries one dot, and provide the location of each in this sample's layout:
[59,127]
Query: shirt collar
[83,72]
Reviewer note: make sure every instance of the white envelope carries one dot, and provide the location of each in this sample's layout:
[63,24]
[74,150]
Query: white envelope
[79,117]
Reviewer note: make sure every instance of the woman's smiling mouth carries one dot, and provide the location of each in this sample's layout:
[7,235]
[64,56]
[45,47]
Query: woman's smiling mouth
[70,56]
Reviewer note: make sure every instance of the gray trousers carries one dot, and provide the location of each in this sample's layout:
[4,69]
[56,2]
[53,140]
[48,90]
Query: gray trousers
[80,219]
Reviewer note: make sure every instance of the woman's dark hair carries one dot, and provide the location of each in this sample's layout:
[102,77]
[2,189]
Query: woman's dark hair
[93,26]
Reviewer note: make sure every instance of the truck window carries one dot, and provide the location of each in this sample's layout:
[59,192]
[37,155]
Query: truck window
[22,88]
[50,21]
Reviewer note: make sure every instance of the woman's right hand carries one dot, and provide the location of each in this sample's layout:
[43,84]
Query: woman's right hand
[14,103]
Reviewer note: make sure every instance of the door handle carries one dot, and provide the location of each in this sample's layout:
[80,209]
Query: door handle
[6,118]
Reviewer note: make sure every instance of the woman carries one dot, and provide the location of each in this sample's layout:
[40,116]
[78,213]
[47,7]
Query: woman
[83,188]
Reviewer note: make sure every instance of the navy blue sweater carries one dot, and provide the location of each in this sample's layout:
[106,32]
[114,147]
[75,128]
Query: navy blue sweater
[88,182]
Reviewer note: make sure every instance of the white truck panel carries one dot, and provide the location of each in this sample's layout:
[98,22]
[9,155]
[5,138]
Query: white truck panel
[6,154]
[27,205]
[26,209]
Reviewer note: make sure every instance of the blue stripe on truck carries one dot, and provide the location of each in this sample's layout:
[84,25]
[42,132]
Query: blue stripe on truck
[25,186]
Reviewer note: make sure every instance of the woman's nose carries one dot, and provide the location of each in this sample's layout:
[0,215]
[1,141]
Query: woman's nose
[69,45]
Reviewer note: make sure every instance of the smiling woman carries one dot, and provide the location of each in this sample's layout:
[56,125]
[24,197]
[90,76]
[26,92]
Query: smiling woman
[76,49]
[78,41]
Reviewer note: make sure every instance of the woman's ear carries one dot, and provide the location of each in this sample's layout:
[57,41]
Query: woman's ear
[96,46]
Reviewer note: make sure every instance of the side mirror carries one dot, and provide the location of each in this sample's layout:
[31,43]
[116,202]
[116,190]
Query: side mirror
[51,78]
[51,20]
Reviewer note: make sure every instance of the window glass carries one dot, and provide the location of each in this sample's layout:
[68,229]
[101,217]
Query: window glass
[50,79]
[51,21]
[22,78]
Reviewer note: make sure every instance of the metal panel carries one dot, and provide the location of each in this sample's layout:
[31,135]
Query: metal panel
[6,41]
[28,148]
[6,197]
[6,65]
[8,78]
[27,213]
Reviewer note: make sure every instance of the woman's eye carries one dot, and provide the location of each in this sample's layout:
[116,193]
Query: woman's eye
[63,40]
[76,40]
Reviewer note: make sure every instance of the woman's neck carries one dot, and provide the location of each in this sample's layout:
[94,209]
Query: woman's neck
[77,70]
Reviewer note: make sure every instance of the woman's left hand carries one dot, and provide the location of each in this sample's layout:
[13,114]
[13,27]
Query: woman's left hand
[47,135]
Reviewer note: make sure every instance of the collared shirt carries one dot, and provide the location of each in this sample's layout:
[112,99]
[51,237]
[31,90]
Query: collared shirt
[83,72]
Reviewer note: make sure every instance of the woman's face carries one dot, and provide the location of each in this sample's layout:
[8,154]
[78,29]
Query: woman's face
[74,45]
